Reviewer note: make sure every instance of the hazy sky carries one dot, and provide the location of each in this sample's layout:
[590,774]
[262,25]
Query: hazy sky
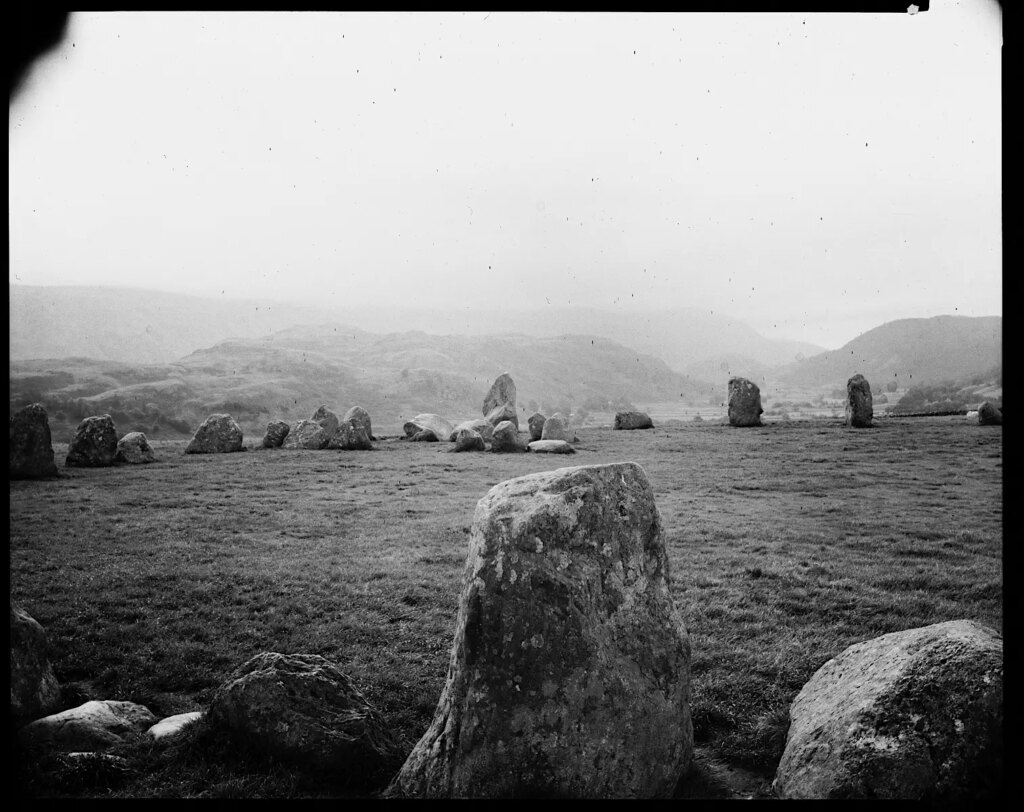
[814,175]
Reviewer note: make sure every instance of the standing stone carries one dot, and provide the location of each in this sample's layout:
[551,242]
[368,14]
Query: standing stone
[479,425]
[469,440]
[505,439]
[277,430]
[94,726]
[358,416]
[134,449]
[218,434]
[29,444]
[859,411]
[327,419]
[351,436]
[307,434]
[94,444]
[989,415]
[916,714]
[556,427]
[502,391]
[435,423]
[744,403]
[34,688]
[536,424]
[501,413]
[570,669]
[304,709]
[633,420]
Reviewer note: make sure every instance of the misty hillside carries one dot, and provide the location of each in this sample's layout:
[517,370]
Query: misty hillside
[909,351]
[140,326]
[287,375]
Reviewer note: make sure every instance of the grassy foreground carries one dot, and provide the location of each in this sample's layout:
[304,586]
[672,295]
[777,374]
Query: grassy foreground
[787,543]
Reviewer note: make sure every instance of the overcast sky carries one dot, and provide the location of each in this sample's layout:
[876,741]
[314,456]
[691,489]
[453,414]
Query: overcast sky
[814,175]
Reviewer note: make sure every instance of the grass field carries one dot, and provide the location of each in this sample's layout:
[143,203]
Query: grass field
[787,543]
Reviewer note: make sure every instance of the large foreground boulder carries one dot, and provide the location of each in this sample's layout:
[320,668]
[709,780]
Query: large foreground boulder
[94,444]
[302,708]
[428,421]
[277,430]
[351,436]
[218,434]
[30,445]
[744,403]
[570,670]
[916,714]
[502,391]
[327,419]
[627,421]
[94,726]
[358,416]
[536,425]
[557,427]
[859,405]
[34,689]
[134,449]
[307,434]
[506,440]
[989,415]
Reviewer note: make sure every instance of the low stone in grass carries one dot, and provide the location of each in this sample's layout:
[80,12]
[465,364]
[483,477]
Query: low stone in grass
[744,403]
[629,421]
[469,440]
[989,415]
[916,714]
[307,434]
[29,444]
[351,436]
[424,436]
[556,427]
[570,670]
[506,439]
[434,422]
[218,434]
[134,449]
[34,688]
[94,444]
[480,426]
[859,405]
[304,709]
[277,430]
[551,447]
[172,726]
[536,425]
[94,726]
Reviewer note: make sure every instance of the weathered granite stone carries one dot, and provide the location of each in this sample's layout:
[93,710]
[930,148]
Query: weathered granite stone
[358,416]
[434,422]
[172,726]
[29,444]
[557,427]
[536,425]
[307,434]
[989,415]
[506,440]
[277,430]
[34,688]
[551,447]
[96,725]
[94,444]
[134,449]
[469,440]
[327,419]
[424,436]
[570,670]
[218,434]
[480,426]
[501,413]
[859,404]
[502,391]
[916,714]
[351,436]
[633,420]
[744,403]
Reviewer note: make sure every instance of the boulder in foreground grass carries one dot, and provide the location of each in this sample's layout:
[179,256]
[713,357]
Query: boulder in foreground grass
[302,708]
[859,405]
[536,425]
[570,670]
[989,415]
[34,688]
[551,447]
[94,444]
[30,445]
[171,726]
[916,714]
[134,449]
[277,430]
[218,434]
[627,421]
[96,725]
[744,403]
[506,440]
[307,434]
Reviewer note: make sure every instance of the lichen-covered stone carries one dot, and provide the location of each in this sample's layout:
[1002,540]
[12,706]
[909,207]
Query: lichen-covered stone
[989,415]
[536,425]
[277,430]
[307,434]
[34,688]
[506,440]
[434,422]
[632,420]
[171,726]
[569,675]
[859,404]
[328,421]
[744,403]
[916,714]
[469,440]
[551,447]
[358,416]
[218,434]
[96,726]
[501,413]
[502,391]
[29,444]
[94,444]
[480,426]
[557,427]
[134,449]
[351,436]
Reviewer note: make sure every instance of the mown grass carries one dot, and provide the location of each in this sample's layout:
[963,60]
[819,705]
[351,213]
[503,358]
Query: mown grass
[786,543]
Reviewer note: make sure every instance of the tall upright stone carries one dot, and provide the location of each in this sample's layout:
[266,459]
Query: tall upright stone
[358,416]
[859,405]
[570,670]
[503,390]
[327,419]
[29,444]
[744,403]
[94,444]
[34,689]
